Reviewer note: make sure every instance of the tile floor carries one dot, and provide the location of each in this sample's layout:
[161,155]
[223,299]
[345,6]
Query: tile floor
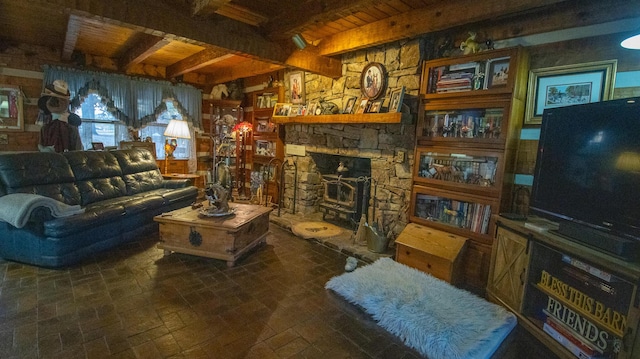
[133,302]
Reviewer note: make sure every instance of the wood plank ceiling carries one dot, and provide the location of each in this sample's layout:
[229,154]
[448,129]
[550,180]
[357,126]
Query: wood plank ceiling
[205,42]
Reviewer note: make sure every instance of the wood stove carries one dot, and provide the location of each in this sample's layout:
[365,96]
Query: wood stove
[346,183]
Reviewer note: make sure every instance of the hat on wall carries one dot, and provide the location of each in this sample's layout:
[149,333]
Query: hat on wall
[59,88]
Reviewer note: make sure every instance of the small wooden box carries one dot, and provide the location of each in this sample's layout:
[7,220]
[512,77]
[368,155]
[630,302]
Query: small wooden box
[432,251]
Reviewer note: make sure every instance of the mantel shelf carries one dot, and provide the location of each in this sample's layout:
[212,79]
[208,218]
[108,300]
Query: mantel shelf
[393,117]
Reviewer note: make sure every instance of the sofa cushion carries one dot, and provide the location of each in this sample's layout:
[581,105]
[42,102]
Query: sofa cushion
[98,175]
[47,174]
[91,218]
[140,170]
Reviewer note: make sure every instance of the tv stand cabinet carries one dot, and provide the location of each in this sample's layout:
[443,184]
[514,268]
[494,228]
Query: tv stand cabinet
[557,287]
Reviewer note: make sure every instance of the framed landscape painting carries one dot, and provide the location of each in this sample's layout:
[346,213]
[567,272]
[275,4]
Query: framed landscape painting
[560,86]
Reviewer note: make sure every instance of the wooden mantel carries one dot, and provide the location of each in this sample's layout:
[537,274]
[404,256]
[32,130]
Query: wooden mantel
[393,117]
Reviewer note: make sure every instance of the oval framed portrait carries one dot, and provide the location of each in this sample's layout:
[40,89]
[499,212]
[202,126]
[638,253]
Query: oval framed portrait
[373,80]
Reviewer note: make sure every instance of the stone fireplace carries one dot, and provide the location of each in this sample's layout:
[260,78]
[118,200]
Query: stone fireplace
[381,153]
[346,182]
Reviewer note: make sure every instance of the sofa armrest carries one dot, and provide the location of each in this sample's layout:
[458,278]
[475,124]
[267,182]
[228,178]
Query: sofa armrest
[175,183]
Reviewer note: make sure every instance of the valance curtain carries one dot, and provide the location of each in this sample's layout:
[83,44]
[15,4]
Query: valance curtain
[137,100]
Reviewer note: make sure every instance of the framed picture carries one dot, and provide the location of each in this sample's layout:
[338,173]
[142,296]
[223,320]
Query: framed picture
[282,110]
[373,81]
[349,105]
[375,106]
[11,116]
[560,86]
[296,86]
[311,108]
[362,105]
[395,104]
[496,73]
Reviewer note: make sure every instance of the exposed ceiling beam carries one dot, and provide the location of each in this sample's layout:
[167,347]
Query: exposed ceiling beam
[245,69]
[241,14]
[197,61]
[207,7]
[437,17]
[304,14]
[148,16]
[71,36]
[144,47]
[308,59]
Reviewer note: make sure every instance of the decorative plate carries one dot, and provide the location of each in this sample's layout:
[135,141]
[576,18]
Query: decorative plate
[373,81]
[206,213]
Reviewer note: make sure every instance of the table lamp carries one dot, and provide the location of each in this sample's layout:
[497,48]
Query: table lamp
[175,129]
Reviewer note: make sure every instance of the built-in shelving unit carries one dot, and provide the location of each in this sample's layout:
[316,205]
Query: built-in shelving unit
[391,117]
[466,136]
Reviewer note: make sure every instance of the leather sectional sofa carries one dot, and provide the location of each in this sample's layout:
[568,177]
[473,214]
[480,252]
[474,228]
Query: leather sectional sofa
[119,193]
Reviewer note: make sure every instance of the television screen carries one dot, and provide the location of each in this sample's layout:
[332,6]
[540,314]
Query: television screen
[588,167]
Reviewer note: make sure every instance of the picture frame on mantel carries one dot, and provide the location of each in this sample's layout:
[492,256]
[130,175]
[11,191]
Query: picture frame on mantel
[11,115]
[296,86]
[397,96]
[560,86]
[373,81]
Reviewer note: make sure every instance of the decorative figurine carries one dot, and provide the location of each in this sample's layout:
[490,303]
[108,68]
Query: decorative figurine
[218,197]
[470,45]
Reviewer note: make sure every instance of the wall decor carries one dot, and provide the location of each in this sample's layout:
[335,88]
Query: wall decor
[296,86]
[362,105]
[373,80]
[397,95]
[11,116]
[349,105]
[375,106]
[282,110]
[566,85]
[497,72]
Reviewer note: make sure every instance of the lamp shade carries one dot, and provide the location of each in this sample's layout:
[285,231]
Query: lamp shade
[177,129]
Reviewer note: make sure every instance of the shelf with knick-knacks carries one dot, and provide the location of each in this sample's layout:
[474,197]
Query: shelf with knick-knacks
[472,124]
[474,171]
[487,73]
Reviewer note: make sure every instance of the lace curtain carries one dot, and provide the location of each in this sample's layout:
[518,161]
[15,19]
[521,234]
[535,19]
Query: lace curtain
[135,102]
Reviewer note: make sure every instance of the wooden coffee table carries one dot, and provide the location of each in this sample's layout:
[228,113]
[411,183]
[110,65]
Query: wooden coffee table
[186,231]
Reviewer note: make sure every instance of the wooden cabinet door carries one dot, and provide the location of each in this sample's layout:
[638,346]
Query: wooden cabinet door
[508,272]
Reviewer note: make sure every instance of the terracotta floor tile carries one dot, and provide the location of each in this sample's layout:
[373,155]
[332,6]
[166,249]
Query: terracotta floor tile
[135,302]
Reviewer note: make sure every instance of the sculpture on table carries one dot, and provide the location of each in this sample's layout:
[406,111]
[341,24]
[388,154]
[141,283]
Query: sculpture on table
[218,197]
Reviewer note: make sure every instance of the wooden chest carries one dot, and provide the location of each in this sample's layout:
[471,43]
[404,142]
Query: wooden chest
[432,251]
[227,238]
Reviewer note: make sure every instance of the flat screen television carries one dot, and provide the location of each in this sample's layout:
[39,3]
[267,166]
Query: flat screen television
[587,174]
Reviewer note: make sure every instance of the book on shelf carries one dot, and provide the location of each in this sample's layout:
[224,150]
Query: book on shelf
[568,344]
[588,268]
[559,331]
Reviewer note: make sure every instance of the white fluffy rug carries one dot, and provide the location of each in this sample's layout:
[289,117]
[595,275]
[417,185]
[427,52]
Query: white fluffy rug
[429,315]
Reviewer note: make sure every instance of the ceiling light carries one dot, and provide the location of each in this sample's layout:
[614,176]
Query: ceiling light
[299,41]
[632,42]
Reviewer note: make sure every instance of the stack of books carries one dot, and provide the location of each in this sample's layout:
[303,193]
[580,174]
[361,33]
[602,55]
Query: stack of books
[455,82]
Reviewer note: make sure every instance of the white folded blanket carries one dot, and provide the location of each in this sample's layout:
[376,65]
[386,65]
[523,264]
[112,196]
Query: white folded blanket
[16,208]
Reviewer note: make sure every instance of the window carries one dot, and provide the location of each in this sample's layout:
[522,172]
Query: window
[155,130]
[98,124]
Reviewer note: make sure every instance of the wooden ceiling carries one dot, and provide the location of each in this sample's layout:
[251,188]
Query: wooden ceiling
[205,42]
